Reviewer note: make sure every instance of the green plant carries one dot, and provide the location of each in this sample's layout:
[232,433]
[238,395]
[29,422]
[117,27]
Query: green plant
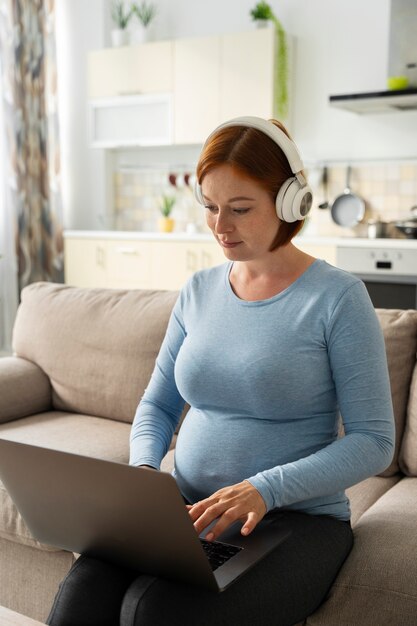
[262,11]
[145,12]
[120,15]
[167,205]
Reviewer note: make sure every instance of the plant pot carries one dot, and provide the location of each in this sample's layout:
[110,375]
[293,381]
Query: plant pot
[139,35]
[263,24]
[166,224]
[119,37]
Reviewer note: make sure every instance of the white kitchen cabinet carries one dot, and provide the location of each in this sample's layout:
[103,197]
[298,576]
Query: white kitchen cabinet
[131,121]
[129,264]
[85,262]
[174,262]
[218,78]
[196,88]
[211,79]
[131,70]
[135,263]
[118,264]
[247,74]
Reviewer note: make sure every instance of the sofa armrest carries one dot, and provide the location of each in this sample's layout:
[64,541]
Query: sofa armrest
[24,389]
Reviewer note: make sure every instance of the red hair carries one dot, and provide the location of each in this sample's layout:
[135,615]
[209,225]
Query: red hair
[256,156]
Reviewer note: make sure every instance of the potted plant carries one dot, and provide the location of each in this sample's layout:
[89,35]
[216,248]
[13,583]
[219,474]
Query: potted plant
[145,13]
[121,17]
[166,223]
[262,14]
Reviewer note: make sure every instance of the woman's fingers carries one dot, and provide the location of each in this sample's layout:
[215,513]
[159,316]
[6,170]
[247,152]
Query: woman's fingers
[250,523]
[238,502]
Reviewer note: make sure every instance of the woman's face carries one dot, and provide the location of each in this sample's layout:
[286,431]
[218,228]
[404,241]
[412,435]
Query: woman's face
[240,214]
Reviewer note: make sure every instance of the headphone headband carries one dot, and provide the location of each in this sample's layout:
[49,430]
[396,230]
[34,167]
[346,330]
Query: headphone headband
[294,198]
[268,128]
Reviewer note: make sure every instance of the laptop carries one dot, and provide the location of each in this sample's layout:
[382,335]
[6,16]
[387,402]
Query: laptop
[127,515]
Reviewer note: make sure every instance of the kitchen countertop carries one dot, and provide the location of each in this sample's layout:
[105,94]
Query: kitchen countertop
[345,242]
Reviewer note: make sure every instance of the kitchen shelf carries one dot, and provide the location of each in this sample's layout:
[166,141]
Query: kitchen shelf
[377,102]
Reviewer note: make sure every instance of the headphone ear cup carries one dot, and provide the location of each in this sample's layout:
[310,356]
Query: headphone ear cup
[281,201]
[198,193]
[293,201]
[302,203]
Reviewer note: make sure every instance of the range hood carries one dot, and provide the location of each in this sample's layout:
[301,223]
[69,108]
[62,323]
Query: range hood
[402,54]
[377,101]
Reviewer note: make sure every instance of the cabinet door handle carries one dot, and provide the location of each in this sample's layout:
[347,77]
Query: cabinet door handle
[191,261]
[130,92]
[127,250]
[205,259]
[100,256]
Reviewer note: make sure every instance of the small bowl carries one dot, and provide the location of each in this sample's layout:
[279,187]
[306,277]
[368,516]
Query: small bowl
[397,82]
[409,229]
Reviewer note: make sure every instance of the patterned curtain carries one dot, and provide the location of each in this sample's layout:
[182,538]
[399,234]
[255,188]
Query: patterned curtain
[29,79]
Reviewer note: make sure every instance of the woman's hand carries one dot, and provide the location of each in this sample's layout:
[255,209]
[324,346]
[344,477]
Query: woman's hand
[237,502]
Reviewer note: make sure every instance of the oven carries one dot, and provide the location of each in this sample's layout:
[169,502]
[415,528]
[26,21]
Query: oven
[389,273]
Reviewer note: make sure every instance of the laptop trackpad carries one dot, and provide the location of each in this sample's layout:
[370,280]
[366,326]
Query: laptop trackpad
[272,530]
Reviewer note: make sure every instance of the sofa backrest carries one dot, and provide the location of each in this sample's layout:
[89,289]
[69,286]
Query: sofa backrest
[97,346]
[400,335]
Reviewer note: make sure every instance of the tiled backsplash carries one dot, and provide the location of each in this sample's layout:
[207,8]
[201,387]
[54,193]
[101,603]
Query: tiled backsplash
[388,188]
[138,196]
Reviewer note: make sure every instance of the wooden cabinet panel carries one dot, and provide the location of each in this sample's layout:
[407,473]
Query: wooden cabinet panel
[136,264]
[152,67]
[129,264]
[169,265]
[175,262]
[141,69]
[108,72]
[85,262]
[247,74]
[201,256]
[212,78]
[196,90]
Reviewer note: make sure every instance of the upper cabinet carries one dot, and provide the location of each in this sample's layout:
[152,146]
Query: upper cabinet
[211,79]
[224,76]
[131,70]
[247,74]
[196,88]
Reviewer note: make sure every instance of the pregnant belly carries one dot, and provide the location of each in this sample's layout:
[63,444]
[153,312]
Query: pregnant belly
[212,451]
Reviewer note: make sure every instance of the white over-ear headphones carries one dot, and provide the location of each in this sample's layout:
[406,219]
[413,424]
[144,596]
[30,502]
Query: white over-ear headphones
[294,198]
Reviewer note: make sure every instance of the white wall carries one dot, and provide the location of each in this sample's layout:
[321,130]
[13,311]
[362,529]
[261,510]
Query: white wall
[341,47]
[81,26]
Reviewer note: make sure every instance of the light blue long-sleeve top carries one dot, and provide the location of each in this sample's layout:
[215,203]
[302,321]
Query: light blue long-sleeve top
[266,381]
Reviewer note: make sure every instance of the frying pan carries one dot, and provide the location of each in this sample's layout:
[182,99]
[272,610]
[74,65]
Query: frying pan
[347,209]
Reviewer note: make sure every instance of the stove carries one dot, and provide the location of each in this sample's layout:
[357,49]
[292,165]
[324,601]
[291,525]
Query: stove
[389,274]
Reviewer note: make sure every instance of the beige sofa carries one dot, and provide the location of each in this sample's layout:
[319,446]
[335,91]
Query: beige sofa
[82,360]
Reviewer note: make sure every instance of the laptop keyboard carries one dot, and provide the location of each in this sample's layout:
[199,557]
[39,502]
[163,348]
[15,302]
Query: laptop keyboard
[218,553]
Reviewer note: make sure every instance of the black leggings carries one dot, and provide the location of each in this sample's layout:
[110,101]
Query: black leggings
[281,590]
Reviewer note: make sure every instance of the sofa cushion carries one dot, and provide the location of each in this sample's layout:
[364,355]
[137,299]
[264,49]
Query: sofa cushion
[80,434]
[363,495]
[97,346]
[408,455]
[400,334]
[377,583]
[24,389]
